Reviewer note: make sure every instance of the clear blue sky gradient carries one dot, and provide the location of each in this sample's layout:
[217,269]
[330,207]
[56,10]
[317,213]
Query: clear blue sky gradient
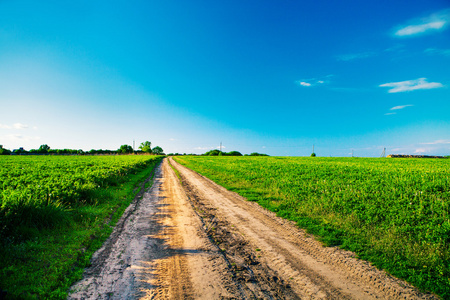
[259,76]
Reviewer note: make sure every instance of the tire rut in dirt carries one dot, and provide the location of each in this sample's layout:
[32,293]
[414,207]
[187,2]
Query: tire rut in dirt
[253,277]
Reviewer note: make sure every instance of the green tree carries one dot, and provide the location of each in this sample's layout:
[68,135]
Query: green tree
[146,147]
[125,149]
[233,153]
[4,151]
[257,154]
[43,149]
[158,150]
[214,152]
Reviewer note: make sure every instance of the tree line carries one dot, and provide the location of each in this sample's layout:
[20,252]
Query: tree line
[144,148]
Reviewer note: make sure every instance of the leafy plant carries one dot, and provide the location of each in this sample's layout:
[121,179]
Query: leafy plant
[394,213]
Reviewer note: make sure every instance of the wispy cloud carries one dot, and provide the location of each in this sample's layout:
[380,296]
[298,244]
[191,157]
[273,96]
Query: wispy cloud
[420,150]
[310,82]
[20,126]
[400,107]
[438,142]
[445,52]
[411,85]
[435,22]
[14,126]
[354,56]
[396,108]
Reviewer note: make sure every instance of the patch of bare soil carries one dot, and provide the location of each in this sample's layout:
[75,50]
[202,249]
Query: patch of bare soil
[196,240]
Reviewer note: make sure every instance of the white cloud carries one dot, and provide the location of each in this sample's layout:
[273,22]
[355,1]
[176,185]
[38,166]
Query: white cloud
[20,126]
[420,150]
[437,142]
[411,85]
[432,23]
[171,139]
[314,81]
[14,126]
[397,108]
[400,106]
[414,29]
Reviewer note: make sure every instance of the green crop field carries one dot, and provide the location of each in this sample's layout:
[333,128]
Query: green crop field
[55,212]
[392,212]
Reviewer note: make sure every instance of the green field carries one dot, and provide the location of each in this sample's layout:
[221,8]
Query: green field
[55,212]
[392,212]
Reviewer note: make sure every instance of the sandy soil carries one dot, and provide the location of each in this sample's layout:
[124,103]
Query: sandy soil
[196,240]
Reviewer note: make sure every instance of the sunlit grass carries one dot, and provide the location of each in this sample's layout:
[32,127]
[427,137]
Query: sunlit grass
[48,243]
[393,212]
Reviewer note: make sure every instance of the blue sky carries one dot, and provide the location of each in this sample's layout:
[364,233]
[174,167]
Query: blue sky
[259,76]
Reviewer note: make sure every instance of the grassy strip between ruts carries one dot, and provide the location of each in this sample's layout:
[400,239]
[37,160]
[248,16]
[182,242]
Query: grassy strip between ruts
[392,212]
[46,264]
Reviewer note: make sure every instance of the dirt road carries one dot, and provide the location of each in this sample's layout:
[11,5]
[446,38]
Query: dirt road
[196,240]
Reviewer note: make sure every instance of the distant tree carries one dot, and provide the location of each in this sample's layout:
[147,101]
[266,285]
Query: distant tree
[257,154]
[4,151]
[313,154]
[214,152]
[146,147]
[21,151]
[43,148]
[233,153]
[124,149]
[158,150]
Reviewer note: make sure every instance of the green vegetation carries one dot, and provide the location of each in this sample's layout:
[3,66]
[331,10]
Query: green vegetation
[392,212]
[256,154]
[125,149]
[55,212]
[146,147]
[46,150]
[216,152]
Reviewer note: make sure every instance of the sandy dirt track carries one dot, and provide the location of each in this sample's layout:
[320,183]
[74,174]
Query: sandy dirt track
[196,240]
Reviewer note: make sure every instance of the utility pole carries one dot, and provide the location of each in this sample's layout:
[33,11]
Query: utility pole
[221,147]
